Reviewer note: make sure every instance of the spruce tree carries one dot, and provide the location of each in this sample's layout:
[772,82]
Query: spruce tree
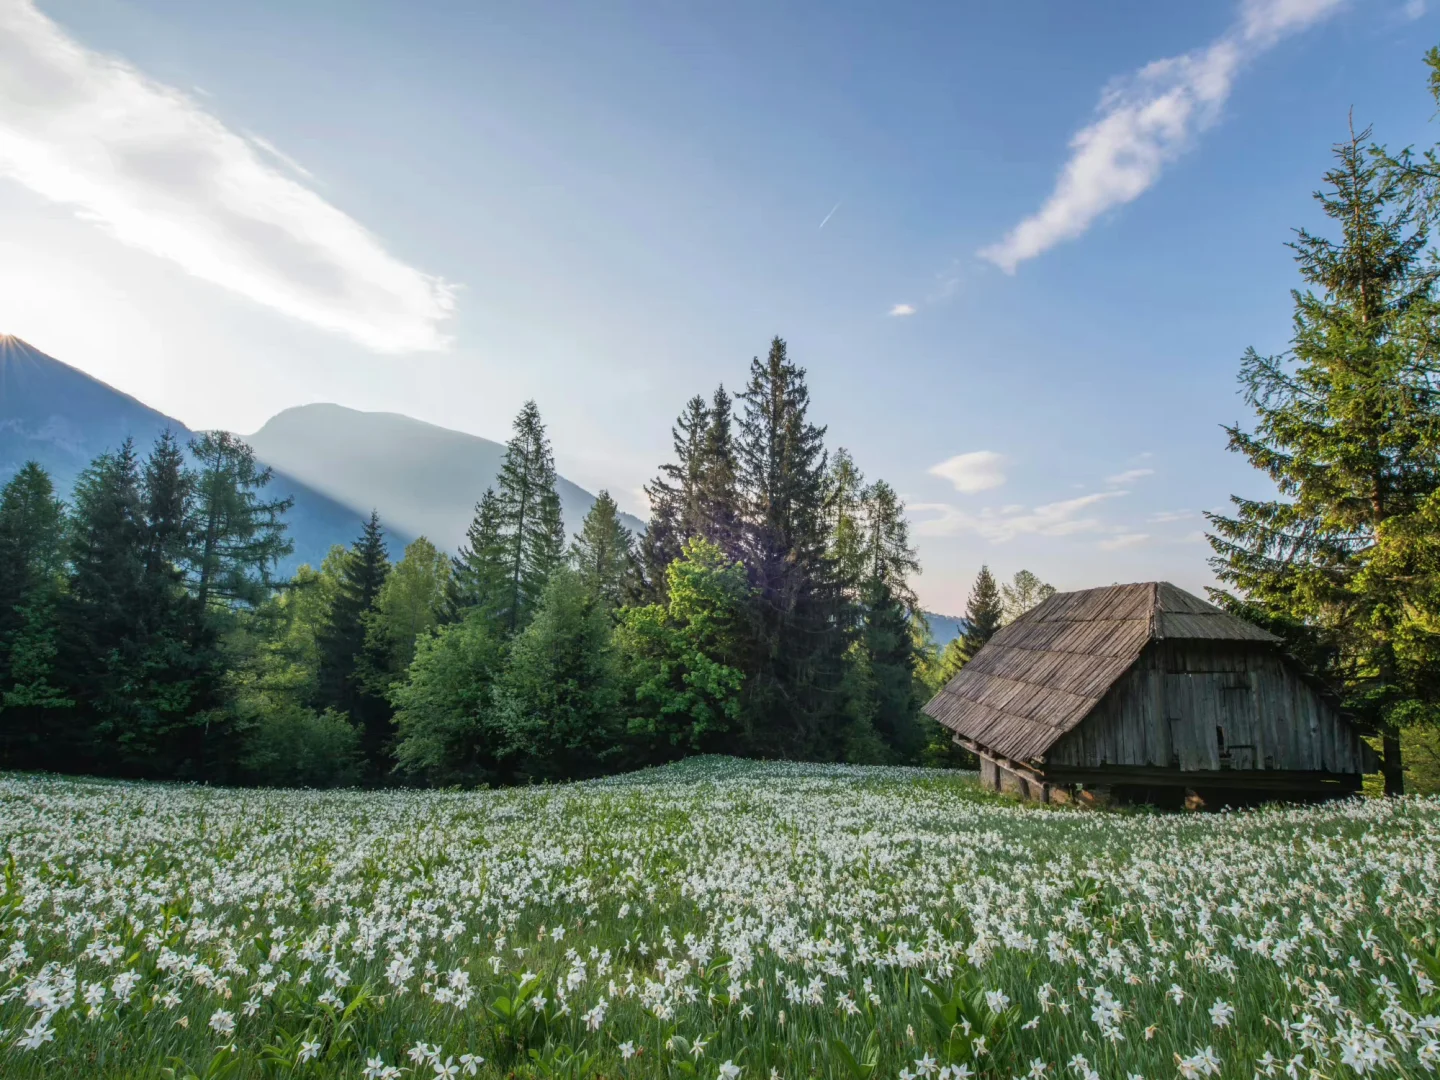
[532,530]
[660,545]
[1348,430]
[31,549]
[348,659]
[845,524]
[603,553]
[686,474]
[888,605]
[32,521]
[799,638]
[719,501]
[99,660]
[557,701]
[170,733]
[168,488]
[478,572]
[983,616]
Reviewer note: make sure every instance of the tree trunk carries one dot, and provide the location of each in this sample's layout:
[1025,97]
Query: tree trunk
[1390,765]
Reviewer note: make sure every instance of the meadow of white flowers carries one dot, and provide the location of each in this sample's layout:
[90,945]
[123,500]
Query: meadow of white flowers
[714,919]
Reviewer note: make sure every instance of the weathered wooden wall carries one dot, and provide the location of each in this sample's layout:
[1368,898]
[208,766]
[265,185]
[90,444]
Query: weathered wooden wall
[1206,706]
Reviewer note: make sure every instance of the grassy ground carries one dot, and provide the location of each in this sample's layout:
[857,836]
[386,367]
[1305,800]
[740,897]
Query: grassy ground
[706,918]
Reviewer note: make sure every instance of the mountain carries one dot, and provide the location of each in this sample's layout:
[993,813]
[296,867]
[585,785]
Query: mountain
[944,628]
[335,463]
[424,480]
[63,418]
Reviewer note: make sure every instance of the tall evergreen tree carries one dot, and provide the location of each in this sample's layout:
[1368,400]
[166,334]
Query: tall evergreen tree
[478,572]
[31,549]
[532,528]
[719,500]
[348,658]
[792,704]
[686,474]
[983,616]
[31,562]
[168,489]
[237,536]
[889,605]
[603,553]
[97,658]
[557,701]
[846,526]
[1348,430]
[659,546]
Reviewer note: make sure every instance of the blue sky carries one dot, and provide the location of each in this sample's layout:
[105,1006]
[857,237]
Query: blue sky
[1050,229]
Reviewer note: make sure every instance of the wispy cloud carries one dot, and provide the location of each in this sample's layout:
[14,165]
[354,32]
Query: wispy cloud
[1164,517]
[1413,9]
[1145,122]
[829,215]
[903,309]
[152,167]
[1064,518]
[979,470]
[1123,540]
[1129,476]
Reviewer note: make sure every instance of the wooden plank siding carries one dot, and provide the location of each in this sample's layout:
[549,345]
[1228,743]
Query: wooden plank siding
[1212,706]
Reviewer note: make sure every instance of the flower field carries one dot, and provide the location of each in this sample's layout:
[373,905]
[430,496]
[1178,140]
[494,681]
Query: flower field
[715,919]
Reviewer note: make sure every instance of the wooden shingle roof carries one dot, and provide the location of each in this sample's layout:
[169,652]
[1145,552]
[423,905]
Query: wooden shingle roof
[1042,674]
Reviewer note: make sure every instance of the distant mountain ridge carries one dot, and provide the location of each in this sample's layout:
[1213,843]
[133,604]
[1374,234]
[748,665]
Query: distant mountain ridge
[944,628]
[63,418]
[423,479]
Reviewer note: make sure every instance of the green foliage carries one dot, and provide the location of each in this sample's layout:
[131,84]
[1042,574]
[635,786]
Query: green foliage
[351,660]
[235,537]
[983,616]
[531,534]
[557,701]
[292,746]
[1348,431]
[604,553]
[770,612]
[410,602]
[800,630]
[1021,594]
[444,709]
[478,572]
[682,657]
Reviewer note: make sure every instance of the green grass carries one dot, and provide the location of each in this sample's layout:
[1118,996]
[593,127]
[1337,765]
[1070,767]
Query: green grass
[806,920]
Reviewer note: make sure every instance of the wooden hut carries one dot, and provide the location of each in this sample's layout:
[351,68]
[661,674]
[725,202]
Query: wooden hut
[1147,691]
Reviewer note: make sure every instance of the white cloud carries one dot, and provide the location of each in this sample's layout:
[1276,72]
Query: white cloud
[1063,518]
[1413,9]
[979,470]
[1161,517]
[1123,540]
[1145,122]
[903,309]
[1129,476]
[152,167]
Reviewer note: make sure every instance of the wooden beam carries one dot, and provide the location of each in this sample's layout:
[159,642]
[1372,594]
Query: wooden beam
[1016,767]
[1264,779]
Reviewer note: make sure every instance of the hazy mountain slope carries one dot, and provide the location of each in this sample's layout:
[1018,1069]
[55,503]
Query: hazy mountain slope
[944,628]
[63,418]
[424,480]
